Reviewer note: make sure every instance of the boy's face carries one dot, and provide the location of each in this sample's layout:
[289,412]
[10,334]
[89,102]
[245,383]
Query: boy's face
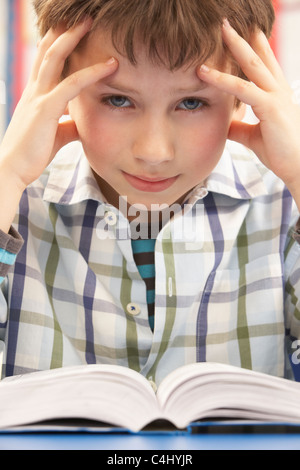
[149,134]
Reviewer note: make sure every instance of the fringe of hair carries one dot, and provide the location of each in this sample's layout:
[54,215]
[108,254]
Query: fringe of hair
[175,32]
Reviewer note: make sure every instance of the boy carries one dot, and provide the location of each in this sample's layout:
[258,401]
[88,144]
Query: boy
[154,89]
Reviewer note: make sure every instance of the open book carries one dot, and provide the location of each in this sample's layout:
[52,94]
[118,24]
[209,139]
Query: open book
[122,397]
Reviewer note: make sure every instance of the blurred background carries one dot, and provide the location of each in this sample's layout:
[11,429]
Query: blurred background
[18,39]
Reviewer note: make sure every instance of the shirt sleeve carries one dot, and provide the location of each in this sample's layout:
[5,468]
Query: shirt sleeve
[10,245]
[292,298]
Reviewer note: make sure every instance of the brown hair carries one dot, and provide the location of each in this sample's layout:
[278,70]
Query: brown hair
[176,32]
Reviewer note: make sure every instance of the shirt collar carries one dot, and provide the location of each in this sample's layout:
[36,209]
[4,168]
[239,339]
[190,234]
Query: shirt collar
[70,178]
[238,175]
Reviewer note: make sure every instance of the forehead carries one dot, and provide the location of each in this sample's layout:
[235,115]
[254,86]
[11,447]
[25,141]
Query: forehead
[144,75]
[98,46]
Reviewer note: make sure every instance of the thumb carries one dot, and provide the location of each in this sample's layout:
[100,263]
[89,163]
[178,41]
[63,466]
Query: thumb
[66,133]
[242,132]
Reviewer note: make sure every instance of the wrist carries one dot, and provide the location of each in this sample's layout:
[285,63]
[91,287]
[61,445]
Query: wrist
[9,174]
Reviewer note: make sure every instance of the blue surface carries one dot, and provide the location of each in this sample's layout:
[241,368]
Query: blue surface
[85,441]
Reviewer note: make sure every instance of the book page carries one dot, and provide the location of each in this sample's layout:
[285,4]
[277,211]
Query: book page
[110,394]
[207,390]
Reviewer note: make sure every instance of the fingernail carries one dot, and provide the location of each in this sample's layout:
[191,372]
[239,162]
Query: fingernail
[204,68]
[226,23]
[87,22]
[111,61]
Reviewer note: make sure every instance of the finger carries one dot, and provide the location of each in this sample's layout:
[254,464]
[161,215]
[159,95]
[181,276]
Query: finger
[242,133]
[42,48]
[251,64]
[261,46]
[72,85]
[245,91]
[66,133]
[54,58]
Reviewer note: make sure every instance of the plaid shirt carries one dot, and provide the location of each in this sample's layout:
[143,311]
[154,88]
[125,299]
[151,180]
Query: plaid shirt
[226,290]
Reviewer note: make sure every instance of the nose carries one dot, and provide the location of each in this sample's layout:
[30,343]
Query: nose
[153,142]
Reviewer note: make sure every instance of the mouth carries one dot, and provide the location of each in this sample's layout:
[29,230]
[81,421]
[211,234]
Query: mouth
[148,184]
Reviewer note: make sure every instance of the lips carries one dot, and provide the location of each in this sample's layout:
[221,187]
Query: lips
[148,184]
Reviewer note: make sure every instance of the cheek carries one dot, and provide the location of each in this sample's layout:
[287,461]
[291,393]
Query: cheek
[92,125]
[205,144]
[97,135]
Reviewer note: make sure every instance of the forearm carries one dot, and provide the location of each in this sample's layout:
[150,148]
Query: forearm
[10,195]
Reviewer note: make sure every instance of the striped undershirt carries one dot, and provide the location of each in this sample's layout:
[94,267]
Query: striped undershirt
[143,253]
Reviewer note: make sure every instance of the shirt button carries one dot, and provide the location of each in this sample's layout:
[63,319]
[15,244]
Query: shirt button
[110,218]
[133,309]
[201,192]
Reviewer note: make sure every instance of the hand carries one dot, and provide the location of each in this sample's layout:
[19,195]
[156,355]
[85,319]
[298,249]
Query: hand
[35,134]
[276,138]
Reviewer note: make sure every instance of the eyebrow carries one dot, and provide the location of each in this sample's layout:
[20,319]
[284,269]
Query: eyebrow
[127,90]
[118,87]
[202,86]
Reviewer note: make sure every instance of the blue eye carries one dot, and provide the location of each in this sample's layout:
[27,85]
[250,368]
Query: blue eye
[191,104]
[118,101]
